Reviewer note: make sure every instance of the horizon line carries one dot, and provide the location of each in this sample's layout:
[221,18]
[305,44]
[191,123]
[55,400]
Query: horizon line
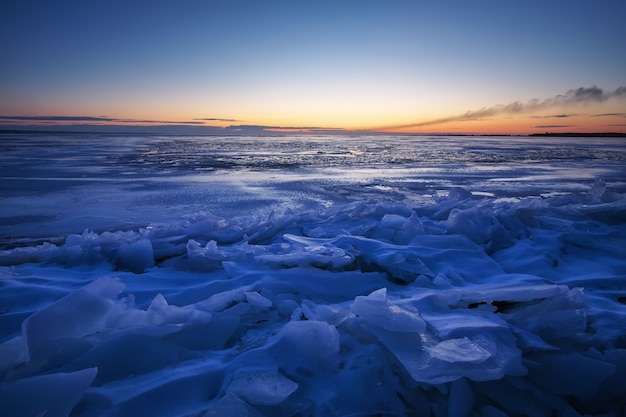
[262,131]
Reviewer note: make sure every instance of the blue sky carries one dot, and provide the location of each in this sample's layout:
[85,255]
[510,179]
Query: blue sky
[340,64]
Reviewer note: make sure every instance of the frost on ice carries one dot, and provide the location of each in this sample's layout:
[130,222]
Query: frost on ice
[463,307]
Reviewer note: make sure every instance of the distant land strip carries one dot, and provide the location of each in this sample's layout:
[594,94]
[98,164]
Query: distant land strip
[581,134]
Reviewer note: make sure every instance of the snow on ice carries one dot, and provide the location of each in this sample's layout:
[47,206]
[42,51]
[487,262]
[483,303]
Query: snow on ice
[465,305]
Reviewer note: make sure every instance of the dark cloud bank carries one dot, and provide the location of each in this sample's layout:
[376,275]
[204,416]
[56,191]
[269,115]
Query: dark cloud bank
[572,97]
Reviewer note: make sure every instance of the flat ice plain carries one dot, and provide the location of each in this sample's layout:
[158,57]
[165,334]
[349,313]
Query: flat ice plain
[312,276]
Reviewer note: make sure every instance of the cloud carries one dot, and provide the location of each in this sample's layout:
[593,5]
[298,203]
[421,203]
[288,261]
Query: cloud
[609,115]
[552,126]
[59,118]
[554,116]
[261,129]
[572,97]
[113,125]
[164,122]
[217,119]
[90,119]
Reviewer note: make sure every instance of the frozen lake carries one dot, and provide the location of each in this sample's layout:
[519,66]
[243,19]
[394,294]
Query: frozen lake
[52,185]
[312,275]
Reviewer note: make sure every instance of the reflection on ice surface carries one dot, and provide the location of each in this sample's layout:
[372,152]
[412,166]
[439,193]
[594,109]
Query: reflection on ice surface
[312,276]
[55,185]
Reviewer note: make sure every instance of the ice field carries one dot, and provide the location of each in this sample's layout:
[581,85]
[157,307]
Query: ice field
[312,276]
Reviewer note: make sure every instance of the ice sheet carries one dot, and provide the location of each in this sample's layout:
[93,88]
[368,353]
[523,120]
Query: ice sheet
[312,276]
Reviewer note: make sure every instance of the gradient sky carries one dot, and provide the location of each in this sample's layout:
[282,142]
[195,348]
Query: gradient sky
[417,66]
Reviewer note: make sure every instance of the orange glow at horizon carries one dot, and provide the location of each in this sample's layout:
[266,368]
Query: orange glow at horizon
[604,117]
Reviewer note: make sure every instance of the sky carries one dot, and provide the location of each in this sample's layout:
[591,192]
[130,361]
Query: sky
[492,66]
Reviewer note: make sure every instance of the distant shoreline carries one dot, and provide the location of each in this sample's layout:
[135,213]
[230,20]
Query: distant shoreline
[579,134]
